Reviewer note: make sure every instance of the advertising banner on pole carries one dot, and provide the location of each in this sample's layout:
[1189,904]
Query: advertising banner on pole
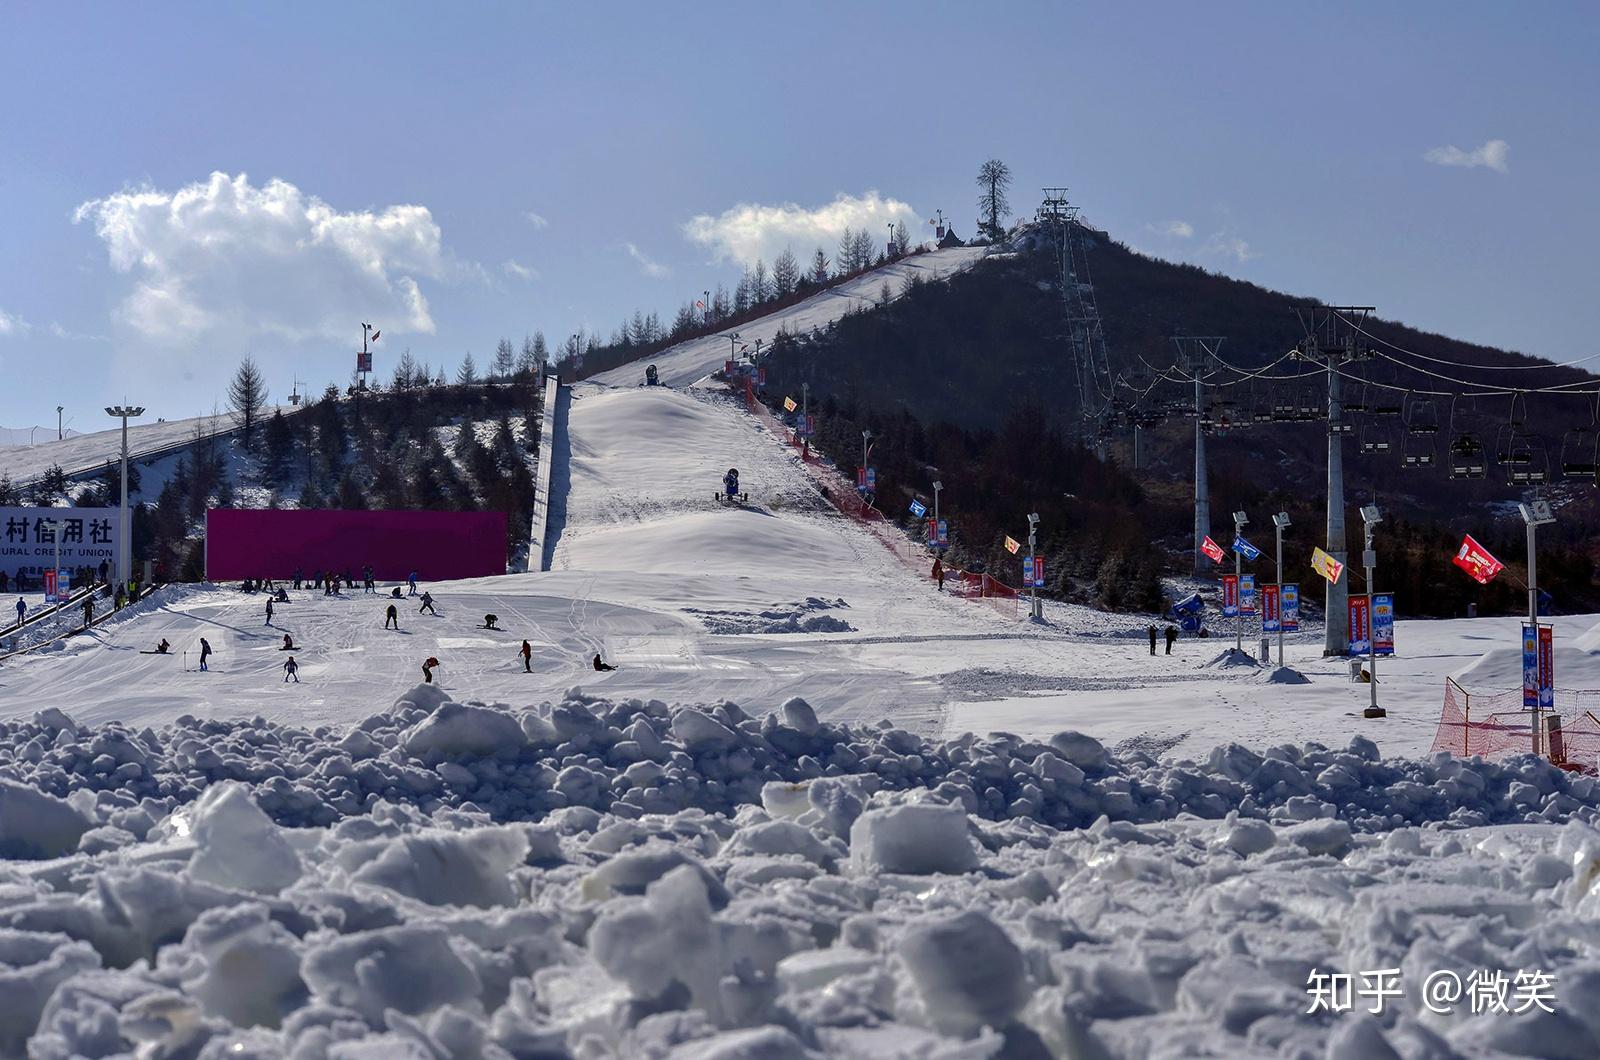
[1038,572]
[27,546]
[1477,561]
[1247,594]
[872,479]
[1360,625]
[1547,668]
[1291,607]
[1212,550]
[1271,612]
[943,537]
[50,583]
[1530,668]
[1230,595]
[1326,566]
[811,425]
[363,362]
[861,478]
[1027,571]
[1383,623]
[727,368]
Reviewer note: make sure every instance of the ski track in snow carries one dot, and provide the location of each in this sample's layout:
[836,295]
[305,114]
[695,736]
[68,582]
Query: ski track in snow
[678,859]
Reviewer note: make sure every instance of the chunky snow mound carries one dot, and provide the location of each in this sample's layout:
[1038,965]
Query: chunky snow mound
[633,880]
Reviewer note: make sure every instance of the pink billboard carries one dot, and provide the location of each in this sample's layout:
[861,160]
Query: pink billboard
[274,543]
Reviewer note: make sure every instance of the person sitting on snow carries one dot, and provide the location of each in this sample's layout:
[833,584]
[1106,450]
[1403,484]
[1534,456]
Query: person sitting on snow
[161,649]
[601,666]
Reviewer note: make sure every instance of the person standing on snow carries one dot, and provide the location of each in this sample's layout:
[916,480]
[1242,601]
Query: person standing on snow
[392,616]
[527,657]
[88,611]
[427,605]
[938,572]
[269,610]
[1152,638]
[411,583]
[1172,637]
[22,609]
[427,669]
[291,669]
[205,652]
[366,575]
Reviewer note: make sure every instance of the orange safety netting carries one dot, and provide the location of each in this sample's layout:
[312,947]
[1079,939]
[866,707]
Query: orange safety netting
[981,588]
[1492,724]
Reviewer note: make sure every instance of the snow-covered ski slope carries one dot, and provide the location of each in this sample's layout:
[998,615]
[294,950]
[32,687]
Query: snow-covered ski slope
[87,451]
[689,362]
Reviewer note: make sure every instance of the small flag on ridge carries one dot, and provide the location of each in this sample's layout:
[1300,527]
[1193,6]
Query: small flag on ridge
[1477,561]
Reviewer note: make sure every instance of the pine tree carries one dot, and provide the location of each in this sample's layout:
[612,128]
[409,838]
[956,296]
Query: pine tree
[819,268]
[505,359]
[902,238]
[994,178]
[527,359]
[759,289]
[741,293]
[247,394]
[685,321]
[847,252]
[467,374]
[541,352]
[785,274]
[280,449]
[405,372]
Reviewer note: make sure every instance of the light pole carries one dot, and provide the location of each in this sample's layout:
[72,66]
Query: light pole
[866,453]
[124,537]
[937,486]
[1033,562]
[1279,523]
[733,347]
[706,306]
[1240,521]
[1370,517]
[1535,514]
[60,427]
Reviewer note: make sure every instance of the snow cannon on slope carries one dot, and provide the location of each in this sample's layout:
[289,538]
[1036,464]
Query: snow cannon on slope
[650,376]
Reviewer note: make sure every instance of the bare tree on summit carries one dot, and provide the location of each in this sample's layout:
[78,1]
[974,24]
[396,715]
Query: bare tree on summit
[994,177]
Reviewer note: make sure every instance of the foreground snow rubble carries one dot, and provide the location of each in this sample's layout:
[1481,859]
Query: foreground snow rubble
[598,879]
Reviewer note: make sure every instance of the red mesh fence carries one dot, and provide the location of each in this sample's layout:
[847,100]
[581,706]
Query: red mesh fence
[841,493]
[1493,724]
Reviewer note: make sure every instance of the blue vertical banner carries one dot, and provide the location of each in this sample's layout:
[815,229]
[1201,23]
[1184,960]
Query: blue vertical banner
[1247,594]
[943,532]
[1027,571]
[1291,607]
[1383,623]
[1530,668]
[872,479]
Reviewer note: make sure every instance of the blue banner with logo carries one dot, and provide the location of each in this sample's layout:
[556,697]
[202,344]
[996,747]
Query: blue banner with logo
[1246,549]
[1530,668]
[1383,623]
[1291,607]
[1247,594]
[918,509]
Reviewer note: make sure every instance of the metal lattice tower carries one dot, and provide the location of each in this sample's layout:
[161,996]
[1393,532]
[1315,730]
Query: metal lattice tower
[1091,363]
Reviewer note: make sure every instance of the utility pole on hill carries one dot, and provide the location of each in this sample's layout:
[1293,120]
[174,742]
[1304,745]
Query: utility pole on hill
[1194,356]
[1333,355]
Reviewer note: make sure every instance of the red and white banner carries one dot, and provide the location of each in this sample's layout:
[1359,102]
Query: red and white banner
[1477,561]
[1270,611]
[1230,595]
[1212,550]
[1547,668]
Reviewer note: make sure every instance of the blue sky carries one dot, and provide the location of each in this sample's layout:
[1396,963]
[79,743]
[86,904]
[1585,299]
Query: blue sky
[458,173]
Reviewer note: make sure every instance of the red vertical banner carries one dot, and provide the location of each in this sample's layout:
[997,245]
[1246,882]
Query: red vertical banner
[1230,595]
[1270,616]
[1360,625]
[1547,668]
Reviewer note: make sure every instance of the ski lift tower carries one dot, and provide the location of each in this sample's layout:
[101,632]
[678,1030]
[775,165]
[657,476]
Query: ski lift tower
[1195,356]
[1091,365]
[1335,337]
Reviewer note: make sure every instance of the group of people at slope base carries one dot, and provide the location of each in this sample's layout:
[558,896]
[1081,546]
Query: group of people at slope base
[1171,635]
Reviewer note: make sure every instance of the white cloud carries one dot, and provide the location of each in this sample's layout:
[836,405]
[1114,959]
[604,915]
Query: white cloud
[11,324]
[1173,229]
[648,267]
[1492,154]
[520,271]
[536,219]
[749,230]
[225,257]
[1227,245]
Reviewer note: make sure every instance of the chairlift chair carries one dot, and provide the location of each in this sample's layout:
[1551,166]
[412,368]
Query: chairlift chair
[1467,459]
[1417,451]
[1375,439]
[1531,466]
[1579,445]
[1308,407]
[1422,417]
[1386,403]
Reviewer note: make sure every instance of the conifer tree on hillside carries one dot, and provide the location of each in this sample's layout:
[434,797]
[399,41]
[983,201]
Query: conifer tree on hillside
[760,289]
[280,449]
[505,359]
[247,394]
[994,180]
[819,268]
[785,274]
[467,374]
[405,372]
[527,363]
[902,237]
